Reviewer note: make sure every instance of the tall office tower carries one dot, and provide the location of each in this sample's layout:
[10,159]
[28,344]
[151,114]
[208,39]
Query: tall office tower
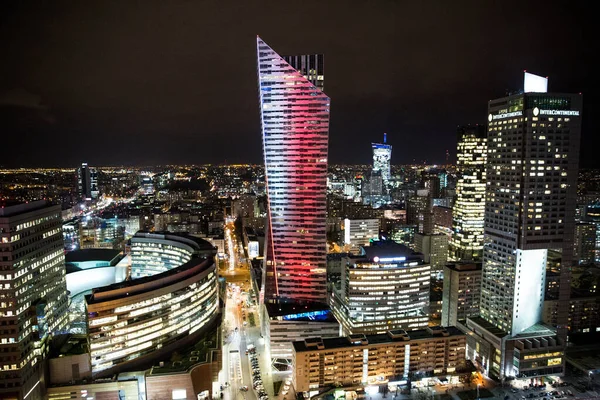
[311,66]
[87,182]
[434,247]
[585,243]
[469,208]
[461,292]
[382,158]
[533,157]
[33,294]
[295,131]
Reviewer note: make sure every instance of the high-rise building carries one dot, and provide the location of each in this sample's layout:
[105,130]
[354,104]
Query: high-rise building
[33,294]
[434,248]
[469,207]
[87,182]
[585,243]
[533,157]
[385,287]
[311,66]
[295,132]
[382,158]
[461,292]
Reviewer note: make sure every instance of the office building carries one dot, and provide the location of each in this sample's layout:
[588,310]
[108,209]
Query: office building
[33,294]
[434,248]
[461,292]
[87,182]
[392,356]
[385,287]
[359,232]
[311,66]
[584,313]
[469,207]
[295,131]
[416,207]
[173,296]
[585,243]
[382,159]
[533,157]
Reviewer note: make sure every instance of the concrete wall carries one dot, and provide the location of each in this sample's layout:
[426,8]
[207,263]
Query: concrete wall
[65,369]
[159,387]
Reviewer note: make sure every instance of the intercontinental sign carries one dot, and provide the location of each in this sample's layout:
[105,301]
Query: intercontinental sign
[537,111]
[504,115]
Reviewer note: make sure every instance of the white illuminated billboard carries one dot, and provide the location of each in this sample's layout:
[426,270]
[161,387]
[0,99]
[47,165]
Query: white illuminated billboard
[253,251]
[535,84]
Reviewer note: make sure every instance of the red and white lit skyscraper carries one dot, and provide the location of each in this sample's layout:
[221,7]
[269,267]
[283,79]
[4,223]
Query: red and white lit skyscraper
[295,132]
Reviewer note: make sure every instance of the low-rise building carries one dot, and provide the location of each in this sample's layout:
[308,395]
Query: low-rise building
[284,323]
[376,359]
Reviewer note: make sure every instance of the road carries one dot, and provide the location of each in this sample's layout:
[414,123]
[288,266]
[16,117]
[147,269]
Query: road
[239,307]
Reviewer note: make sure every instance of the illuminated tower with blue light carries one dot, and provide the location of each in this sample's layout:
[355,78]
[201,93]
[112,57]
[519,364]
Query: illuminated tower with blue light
[382,157]
[295,133]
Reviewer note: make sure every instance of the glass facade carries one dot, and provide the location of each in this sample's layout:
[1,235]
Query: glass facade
[173,297]
[295,132]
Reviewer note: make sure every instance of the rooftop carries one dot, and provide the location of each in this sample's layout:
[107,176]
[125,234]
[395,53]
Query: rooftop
[9,207]
[91,255]
[389,337]
[491,328]
[283,308]
[465,266]
[388,249]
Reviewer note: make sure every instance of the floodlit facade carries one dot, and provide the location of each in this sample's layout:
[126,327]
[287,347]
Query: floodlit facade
[384,288]
[295,132]
[165,306]
[469,208]
[33,294]
[532,168]
[382,158]
[375,359]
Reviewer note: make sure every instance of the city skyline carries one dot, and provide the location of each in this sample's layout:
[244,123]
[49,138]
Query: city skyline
[119,93]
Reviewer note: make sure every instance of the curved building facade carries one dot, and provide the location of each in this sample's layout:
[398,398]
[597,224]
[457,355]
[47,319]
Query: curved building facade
[172,296]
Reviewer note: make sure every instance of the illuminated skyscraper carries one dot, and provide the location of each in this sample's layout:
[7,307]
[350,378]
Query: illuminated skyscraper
[382,157]
[87,182]
[33,295]
[532,167]
[295,132]
[467,214]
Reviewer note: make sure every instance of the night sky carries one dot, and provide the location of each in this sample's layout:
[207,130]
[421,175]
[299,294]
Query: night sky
[147,82]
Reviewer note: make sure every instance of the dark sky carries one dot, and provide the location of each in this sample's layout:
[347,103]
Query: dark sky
[155,82]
